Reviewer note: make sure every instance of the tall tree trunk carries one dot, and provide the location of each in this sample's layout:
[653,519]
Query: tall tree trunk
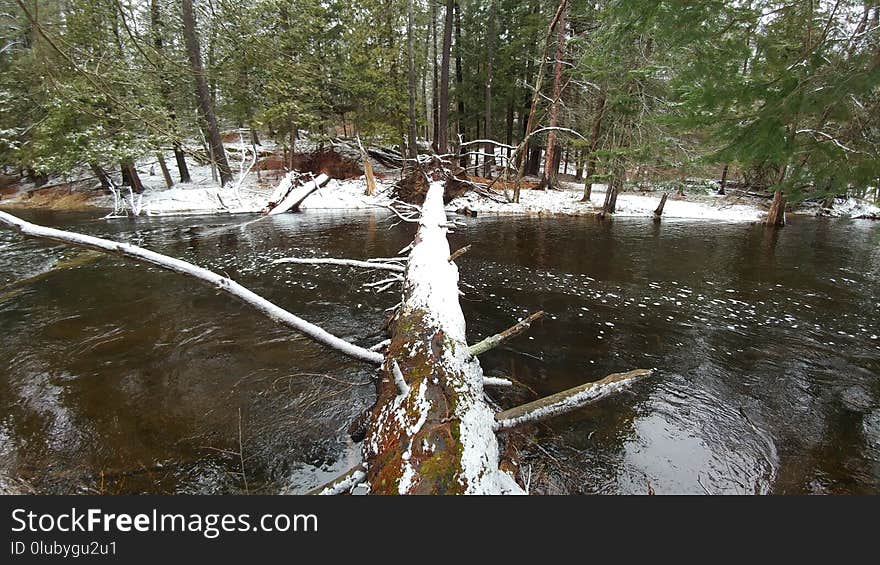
[549,179]
[459,82]
[411,56]
[489,159]
[435,85]
[508,139]
[724,178]
[595,132]
[443,134]
[129,172]
[203,96]
[180,158]
[536,93]
[165,174]
[156,26]
[102,175]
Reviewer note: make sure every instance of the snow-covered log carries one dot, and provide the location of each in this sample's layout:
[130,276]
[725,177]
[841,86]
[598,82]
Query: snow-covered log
[292,197]
[437,438]
[221,283]
[567,400]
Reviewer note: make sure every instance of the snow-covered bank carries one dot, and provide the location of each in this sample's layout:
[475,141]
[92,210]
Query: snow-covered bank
[251,191]
[568,202]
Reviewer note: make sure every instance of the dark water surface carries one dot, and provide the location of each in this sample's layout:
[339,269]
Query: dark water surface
[121,378]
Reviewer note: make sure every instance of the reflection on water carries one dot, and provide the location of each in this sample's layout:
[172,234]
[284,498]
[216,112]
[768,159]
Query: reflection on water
[122,378]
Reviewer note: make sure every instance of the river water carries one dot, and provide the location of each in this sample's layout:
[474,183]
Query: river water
[121,378]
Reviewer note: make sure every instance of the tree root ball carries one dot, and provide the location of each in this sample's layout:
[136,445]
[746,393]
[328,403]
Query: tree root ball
[413,187]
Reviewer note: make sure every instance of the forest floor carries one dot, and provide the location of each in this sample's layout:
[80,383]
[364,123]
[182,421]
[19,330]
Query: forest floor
[250,191]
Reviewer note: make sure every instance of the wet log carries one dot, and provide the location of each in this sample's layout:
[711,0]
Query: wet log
[436,438]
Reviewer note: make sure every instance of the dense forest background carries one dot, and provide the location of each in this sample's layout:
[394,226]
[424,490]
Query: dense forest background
[770,94]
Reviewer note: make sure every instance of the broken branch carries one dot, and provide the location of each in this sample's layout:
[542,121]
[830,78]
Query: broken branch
[567,400]
[459,252]
[510,333]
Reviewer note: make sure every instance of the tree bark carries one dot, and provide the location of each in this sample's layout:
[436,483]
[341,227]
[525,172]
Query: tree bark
[595,132]
[459,84]
[203,95]
[435,85]
[430,432]
[102,175]
[411,61]
[776,216]
[659,211]
[721,190]
[489,159]
[550,177]
[443,134]
[169,182]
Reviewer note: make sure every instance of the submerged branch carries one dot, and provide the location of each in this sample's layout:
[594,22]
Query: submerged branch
[223,284]
[344,262]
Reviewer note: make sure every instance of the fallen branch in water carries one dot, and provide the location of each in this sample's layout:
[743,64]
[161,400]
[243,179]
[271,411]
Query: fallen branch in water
[494,341]
[343,262]
[567,400]
[223,284]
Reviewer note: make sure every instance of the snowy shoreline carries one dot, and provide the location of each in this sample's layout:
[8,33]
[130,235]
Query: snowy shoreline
[251,191]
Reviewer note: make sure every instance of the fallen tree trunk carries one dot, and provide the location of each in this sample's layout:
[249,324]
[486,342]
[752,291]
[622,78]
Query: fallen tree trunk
[430,430]
[435,438]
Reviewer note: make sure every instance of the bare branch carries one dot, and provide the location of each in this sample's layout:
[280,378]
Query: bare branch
[344,262]
[223,284]
[510,333]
